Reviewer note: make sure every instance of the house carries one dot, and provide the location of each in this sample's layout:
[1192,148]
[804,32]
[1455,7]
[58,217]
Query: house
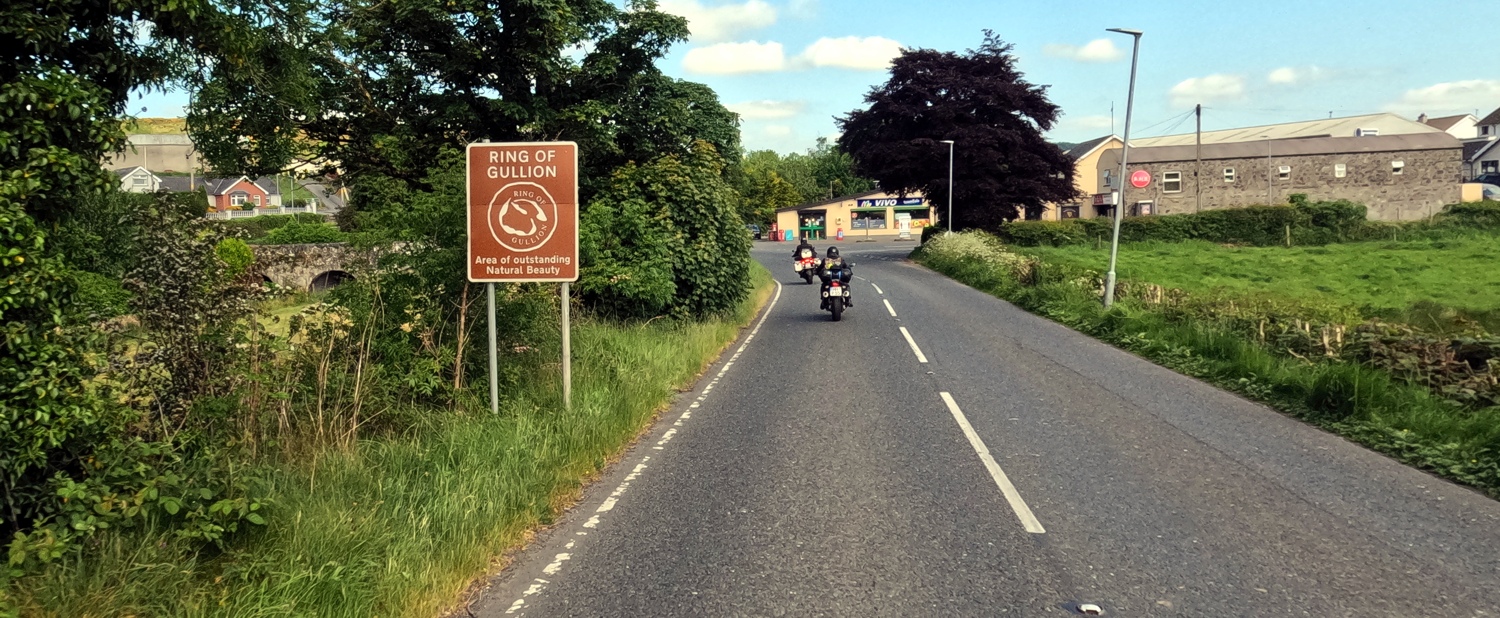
[870,214]
[227,193]
[138,179]
[1489,126]
[1398,168]
[1462,126]
[1481,157]
[1085,158]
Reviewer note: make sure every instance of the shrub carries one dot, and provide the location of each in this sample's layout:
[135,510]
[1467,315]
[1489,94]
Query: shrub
[258,227]
[1308,223]
[235,254]
[99,296]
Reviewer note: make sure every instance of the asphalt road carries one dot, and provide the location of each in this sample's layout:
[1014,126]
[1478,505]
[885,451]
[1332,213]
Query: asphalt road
[822,469]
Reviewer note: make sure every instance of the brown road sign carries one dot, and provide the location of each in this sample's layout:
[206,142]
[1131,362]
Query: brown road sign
[523,212]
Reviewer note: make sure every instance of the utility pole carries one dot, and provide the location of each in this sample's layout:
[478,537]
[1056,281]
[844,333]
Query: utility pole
[1114,244]
[1198,169]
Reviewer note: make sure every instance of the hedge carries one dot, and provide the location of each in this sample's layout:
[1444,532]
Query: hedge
[258,227]
[1309,223]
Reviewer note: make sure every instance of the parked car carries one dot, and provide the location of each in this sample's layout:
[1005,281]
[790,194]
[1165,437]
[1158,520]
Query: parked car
[1492,178]
[1491,192]
[753,229]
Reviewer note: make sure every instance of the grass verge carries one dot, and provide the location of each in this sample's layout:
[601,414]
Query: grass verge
[400,527]
[1361,403]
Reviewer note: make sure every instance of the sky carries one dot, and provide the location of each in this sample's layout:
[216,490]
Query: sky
[790,67]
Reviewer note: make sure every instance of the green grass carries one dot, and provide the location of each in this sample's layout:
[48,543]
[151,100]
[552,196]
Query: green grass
[400,527]
[1458,273]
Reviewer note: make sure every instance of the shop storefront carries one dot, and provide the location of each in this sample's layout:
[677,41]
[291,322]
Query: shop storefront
[867,215]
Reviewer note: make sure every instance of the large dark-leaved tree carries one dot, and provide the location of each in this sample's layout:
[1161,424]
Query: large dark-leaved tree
[1003,168]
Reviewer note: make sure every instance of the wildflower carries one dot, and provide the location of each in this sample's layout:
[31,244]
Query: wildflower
[406,327]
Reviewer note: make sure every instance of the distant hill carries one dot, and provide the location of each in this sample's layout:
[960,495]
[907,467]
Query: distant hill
[1065,146]
[155,126]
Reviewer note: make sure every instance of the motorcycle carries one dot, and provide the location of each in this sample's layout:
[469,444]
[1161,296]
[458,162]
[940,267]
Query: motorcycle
[835,294]
[805,265]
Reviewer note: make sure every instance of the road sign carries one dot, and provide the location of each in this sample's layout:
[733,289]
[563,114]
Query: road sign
[523,212]
[1140,178]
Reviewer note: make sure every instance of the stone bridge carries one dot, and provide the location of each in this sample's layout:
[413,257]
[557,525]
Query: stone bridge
[311,267]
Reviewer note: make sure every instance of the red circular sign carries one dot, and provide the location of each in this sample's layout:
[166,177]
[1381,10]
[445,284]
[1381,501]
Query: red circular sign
[1140,178]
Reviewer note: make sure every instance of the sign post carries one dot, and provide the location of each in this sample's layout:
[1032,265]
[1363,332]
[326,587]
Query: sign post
[523,228]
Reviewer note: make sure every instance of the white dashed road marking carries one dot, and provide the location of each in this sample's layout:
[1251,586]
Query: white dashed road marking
[877,288]
[1023,512]
[888,307]
[921,358]
[609,503]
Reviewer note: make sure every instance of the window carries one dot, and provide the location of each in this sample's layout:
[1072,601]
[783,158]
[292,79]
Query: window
[1284,172]
[1484,130]
[1489,167]
[257,200]
[238,197]
[1228,174]
[1397,167]
[1340,170]
[1108,184]
[139,181]
[1171,182]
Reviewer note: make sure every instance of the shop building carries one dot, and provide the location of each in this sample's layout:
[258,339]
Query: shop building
[874,214]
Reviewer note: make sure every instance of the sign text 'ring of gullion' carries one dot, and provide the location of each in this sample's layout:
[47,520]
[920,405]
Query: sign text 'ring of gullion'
[523,212]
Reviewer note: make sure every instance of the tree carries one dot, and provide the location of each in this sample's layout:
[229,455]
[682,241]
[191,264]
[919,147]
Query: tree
[1003,167]
[378,89]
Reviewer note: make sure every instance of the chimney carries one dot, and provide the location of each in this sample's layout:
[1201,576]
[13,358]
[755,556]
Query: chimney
[1422,119]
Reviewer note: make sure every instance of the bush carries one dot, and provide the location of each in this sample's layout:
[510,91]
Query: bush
[258,227]
[668,238]
[99,296]
[235,254]
[301,234]
[930,231]
[1309,223]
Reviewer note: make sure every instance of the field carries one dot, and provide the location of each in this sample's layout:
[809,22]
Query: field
[155,126]
[1382,278]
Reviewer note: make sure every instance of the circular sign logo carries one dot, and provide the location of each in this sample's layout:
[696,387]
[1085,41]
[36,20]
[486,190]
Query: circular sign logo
[522,216]
[1140,178]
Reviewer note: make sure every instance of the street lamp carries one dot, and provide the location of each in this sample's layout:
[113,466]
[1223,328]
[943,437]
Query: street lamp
[1114,243]
[949,142]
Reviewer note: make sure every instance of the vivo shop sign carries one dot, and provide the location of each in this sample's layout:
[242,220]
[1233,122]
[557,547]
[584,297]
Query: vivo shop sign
[891,201]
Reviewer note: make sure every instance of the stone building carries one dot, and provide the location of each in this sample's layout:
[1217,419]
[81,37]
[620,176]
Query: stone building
[1398,177]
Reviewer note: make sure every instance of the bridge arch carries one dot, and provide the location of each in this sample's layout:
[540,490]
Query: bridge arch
[328,279]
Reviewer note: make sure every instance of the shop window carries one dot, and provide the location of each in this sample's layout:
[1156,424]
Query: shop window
[1171,182]
[1340,170]
[1228,174]
[1284,172]
[869,221]
[1397,167]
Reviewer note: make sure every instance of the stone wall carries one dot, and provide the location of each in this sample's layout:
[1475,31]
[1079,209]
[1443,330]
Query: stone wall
[298,266]
[1430,179]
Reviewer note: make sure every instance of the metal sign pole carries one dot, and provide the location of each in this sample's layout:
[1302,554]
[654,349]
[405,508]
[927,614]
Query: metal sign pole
[489,289]
[567,350]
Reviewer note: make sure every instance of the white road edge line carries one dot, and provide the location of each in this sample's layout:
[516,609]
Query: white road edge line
[921,358]
[888,307]
[609,503]
[1023,512]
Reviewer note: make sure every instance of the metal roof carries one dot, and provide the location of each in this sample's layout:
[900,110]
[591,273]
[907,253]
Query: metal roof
[1386,124]
[1435,140]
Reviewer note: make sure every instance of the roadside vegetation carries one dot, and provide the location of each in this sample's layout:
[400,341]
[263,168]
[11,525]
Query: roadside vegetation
[1389,344]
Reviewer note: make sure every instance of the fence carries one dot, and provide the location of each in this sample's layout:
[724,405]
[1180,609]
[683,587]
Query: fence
[256,212]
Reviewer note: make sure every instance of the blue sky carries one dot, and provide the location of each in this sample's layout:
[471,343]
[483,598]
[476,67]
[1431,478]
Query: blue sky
[791,66]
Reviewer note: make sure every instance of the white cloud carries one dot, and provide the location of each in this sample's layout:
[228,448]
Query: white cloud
[767,109]
[803,9]
[1097,50]
[1449,97]
[851,52]
[777,130]
[1210,88]
[734,58]
[1296,75]
[721,22]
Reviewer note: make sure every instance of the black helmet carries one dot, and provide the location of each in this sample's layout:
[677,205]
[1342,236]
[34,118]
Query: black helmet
[832,252]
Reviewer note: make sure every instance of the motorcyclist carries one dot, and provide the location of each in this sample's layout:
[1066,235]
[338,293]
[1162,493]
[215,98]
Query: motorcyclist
[831,262]
[797,252]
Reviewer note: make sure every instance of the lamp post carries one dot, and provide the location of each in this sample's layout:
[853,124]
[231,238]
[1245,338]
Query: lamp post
[1114,243]
[949,142]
